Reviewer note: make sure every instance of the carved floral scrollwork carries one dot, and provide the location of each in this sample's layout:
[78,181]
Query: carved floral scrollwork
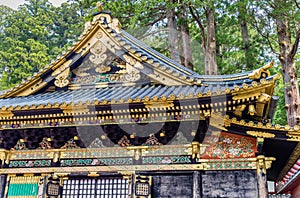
[62,79]
[70,144]
[130,77]
[102,69]
[21,145]
[104,66]
[45,143]
[98,55]
[62,74]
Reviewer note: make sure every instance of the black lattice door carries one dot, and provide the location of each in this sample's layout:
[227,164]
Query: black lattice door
[96,188]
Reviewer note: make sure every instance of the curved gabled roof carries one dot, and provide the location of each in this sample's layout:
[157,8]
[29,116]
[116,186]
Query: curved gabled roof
[142,58]
[123,94]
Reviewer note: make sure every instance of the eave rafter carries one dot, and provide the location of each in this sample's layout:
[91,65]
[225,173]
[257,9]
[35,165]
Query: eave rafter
[261,130]
[262,72]
[240,94]
[289,176]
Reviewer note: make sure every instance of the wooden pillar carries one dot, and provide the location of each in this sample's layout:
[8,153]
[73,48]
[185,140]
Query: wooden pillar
[8,177]
[262,184]
[197,184]
[296,192]
[261,170]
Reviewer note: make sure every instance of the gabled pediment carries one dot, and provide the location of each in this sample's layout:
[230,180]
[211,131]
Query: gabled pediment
[105,55]
[107,65]
[106,59]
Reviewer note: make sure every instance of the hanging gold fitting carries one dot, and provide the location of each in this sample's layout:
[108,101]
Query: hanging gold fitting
[252,111]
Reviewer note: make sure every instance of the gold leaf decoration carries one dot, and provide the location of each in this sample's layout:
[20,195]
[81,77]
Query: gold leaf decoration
[261,134]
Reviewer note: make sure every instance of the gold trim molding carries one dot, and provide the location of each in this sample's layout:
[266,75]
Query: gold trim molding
[256,74]
[75,110]
[261,134]
[6,114]
[204,164]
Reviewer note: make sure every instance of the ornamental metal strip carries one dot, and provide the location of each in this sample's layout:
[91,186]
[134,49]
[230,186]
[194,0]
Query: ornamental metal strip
[142,186]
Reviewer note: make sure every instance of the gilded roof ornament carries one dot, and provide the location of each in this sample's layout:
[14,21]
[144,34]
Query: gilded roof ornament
[262,72]
[99,6]
[261,134]
[6,113]
[62,79]
[292,137]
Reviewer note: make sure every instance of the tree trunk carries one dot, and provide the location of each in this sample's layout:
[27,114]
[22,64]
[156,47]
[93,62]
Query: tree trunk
[173,34]
[210,51]
[242,9]
[286,57]
[208,39]
[186,41]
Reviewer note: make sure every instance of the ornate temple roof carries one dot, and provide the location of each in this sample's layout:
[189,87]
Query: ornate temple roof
[125,94]
[112,57]
[108,68]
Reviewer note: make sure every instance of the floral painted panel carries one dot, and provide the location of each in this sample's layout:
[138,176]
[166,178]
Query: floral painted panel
[221,145]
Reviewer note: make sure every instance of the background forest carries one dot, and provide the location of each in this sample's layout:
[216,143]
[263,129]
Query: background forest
[208,36]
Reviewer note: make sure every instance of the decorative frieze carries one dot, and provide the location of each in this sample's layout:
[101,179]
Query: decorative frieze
[167,160]
[97,162]
[29,163]
[222,145]
[131,158]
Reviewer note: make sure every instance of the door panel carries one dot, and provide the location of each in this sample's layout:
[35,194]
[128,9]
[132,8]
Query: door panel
[96,188]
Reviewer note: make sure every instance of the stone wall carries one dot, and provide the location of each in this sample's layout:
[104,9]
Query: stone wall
[208,184]
[172,186]
[233,184]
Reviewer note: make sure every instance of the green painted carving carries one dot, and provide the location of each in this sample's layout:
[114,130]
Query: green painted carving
[167,160]
[96,162]
[29,163]
[23,190]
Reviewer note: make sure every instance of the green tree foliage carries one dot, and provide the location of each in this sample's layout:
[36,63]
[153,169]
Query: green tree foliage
[280,114]
[25,39]
[281,28]
[32,36]
[236,53]
[68,22]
